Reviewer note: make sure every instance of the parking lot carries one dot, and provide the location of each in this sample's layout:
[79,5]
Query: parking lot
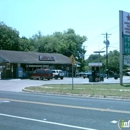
[17,85]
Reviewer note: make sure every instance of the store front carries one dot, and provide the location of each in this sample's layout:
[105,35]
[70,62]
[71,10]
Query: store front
[18,64]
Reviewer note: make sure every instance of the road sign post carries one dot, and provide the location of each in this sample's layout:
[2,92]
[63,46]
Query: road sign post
[121,46]
[72,59]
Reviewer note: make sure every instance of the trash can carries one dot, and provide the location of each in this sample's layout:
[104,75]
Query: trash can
[101,78]
[91,79]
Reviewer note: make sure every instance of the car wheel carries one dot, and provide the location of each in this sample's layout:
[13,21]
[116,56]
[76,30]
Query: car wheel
[115,78]
[56,77]
[61,78]
[41,78]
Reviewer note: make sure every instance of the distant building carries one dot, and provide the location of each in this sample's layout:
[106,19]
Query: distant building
[19,64]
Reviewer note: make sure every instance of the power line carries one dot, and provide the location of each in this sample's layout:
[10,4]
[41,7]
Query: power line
[112,28]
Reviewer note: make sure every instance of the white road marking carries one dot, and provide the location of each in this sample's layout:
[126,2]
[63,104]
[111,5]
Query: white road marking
[47,122]
[5,101]
[114,122]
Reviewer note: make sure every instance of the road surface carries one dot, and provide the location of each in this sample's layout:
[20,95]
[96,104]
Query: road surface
[26,111]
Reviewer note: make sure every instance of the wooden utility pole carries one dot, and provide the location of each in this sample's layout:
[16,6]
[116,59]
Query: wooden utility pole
[107,45]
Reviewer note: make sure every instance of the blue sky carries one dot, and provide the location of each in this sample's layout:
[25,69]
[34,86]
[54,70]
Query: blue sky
[90,18]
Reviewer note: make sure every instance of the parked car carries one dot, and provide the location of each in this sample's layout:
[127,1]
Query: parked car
[58,74]
[42,74]
[79,74]
[87,74]
[127,73]
[114,75]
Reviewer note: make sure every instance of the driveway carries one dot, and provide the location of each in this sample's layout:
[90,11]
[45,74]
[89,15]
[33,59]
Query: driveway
[16,85]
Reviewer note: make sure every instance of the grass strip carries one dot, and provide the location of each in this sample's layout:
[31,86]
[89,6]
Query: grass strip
[103,90]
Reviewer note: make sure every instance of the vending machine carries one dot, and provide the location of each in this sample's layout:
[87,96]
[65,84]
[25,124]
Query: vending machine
[19,72]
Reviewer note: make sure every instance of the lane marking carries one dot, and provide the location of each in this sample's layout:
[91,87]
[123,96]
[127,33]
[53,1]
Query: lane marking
[68,106]
[4,101]
[47,122]
[114,122]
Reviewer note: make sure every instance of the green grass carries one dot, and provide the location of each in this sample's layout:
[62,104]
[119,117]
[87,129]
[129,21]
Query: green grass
[85,89]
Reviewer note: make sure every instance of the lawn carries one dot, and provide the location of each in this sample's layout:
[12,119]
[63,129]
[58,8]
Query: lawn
[102,90]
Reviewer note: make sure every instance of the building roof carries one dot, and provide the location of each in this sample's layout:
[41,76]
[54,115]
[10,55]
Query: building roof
[32,57]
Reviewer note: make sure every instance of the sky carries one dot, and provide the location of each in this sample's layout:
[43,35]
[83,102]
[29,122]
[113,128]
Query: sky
[90,18]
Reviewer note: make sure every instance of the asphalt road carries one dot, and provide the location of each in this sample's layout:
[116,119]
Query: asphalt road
[26,111]
[16,85]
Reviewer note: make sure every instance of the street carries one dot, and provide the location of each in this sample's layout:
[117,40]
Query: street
[26,111]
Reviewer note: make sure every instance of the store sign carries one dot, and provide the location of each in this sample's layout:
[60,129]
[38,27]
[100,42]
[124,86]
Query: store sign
[46,58]
[126,33]
[126,49]
[95,64]
[126,23]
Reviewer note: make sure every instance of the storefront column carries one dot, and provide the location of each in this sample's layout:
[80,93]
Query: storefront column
[12,70]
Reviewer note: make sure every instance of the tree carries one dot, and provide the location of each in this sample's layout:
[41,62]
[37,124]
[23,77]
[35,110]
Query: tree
[9,38]
[113,61]
[66,43]
[24,44]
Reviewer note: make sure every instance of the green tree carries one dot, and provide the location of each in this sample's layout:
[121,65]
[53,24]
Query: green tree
[9,38]
[113,61]
[66,43]
[24,44]
[73,44]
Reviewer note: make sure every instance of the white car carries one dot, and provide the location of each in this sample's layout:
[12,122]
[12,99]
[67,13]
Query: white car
[58,74]
[128,73]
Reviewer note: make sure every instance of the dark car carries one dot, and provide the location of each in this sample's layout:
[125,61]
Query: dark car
[42,74]
[112,74]
[79,74]
[87,74]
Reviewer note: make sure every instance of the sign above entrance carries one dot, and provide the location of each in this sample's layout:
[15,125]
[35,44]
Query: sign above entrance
[46,58]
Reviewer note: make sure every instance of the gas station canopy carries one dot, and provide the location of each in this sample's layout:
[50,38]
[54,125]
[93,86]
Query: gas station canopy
[95,64]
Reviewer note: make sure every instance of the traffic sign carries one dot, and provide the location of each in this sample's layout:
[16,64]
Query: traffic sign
[72,59]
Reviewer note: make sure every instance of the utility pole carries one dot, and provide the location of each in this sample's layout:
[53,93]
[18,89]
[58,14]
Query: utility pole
[107,45]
